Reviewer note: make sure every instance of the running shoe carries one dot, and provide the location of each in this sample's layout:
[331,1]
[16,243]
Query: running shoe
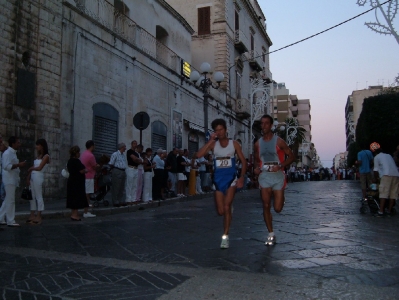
[379,215]
[271,241]
[225,242]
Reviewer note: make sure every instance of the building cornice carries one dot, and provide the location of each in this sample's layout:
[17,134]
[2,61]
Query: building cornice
[178,16]
[258,23]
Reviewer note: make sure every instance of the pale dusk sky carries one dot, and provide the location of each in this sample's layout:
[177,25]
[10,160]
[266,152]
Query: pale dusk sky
[327,68]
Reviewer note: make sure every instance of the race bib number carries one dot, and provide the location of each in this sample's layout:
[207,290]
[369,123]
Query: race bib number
[223,162]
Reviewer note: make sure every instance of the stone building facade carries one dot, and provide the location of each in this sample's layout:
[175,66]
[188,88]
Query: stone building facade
[231,36]
[76,70]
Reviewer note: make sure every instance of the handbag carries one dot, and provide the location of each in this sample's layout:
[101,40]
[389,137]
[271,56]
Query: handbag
[26,193]
[65,173]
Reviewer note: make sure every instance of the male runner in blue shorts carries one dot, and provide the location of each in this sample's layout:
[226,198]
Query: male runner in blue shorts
[270,151]
[224,176]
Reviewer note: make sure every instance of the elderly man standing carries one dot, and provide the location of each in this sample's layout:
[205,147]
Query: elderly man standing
[10,168]
[133,162]
[118,164]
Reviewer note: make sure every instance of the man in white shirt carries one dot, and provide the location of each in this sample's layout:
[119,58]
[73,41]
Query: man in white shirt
[385,169]
[118,163]
[10,167]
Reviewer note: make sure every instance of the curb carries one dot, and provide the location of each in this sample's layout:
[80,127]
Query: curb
[110,210]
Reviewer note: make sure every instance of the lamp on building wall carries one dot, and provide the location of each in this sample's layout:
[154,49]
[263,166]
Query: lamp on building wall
[204,84]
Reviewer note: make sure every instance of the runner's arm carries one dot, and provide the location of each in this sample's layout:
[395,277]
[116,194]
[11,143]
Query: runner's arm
[241,156]
[291,156]
[257,169]
[208,146]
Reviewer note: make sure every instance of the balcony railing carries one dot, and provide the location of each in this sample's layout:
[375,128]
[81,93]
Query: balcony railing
[255,60]
[240,41]
[107,15]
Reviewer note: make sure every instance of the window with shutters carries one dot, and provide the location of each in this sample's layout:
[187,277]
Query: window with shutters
[204,20]
[158,136]
[105,129]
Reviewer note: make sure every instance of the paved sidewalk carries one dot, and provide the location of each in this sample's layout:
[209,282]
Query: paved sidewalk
[57,208]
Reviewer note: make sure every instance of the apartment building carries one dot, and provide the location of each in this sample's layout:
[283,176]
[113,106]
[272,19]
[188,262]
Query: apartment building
[353,108]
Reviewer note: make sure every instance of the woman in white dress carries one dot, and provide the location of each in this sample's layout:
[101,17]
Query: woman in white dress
[35,179]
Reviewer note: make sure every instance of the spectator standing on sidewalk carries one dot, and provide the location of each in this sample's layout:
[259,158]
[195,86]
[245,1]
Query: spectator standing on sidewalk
[292,173]
[149,166]
[10,166]
[2,190]
[385,169]
[158,179]
[76,184]
[133,162]
[181,177]
[140,174]
[171,162]
[365,162]
[118,163]
[35,178]
[89,161]
[270,152]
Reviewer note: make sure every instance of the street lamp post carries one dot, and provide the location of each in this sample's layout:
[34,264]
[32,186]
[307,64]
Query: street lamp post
[205,83]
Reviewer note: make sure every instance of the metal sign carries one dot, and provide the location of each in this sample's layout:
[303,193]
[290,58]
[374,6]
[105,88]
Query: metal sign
[141,120]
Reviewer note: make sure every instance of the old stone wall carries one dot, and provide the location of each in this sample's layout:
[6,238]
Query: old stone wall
[31,44]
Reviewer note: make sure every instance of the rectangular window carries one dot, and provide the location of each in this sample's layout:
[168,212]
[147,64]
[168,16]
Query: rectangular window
[204,20]
[238,85]
[237,21]
[252,42]
[264,56]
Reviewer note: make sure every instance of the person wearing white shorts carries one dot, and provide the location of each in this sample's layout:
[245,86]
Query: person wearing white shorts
[89,161]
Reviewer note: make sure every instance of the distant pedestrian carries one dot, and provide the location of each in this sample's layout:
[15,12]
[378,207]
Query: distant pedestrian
[140,174]
[181,177]
[10,167]
[76,184]
[89,161]
[35,179]
[118,163]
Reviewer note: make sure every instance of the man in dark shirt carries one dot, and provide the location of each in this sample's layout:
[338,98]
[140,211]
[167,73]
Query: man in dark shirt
[171,161]
[133,161]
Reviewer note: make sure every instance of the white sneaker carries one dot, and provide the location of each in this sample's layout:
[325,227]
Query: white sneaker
[225,242]
[88,215]
[271,241]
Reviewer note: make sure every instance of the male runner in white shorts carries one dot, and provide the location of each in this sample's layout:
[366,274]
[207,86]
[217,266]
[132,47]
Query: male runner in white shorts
[270,151]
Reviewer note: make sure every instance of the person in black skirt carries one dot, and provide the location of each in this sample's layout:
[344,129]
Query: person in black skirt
[76,188]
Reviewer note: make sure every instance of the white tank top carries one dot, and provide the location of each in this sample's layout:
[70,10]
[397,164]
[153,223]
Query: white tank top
[229,150]
[37,163]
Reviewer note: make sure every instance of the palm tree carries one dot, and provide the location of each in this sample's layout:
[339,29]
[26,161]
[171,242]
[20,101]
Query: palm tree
[294,134]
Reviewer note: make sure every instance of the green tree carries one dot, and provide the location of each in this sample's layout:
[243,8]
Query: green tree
[353,150]
[379,122]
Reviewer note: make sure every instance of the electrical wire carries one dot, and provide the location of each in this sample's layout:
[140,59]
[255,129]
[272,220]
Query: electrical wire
[316,34]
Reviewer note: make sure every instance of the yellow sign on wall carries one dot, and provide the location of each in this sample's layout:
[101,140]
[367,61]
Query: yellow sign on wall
[186,69]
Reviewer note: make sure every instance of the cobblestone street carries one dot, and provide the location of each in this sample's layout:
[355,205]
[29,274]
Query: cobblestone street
[326,249]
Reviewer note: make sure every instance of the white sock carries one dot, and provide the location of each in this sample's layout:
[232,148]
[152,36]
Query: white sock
[271,233]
